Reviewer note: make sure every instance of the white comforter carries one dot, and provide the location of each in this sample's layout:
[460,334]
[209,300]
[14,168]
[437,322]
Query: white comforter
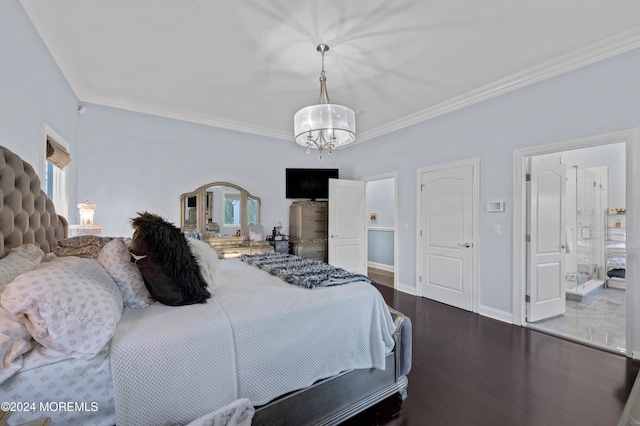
[257,338]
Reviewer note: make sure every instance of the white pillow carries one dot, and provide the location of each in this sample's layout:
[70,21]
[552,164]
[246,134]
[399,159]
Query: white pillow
[15,341]
[69,304]
[116,260]
[207,258]
[19,260]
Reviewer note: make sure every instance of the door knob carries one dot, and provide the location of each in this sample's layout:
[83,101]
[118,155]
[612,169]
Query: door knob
[465,245]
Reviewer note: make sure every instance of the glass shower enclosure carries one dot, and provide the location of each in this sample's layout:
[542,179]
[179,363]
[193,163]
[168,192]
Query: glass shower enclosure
[584,232]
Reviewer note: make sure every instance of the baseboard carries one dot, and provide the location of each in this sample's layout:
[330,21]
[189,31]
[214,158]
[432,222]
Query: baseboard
[485,311]
[382,266]
[496,314]
[406,289]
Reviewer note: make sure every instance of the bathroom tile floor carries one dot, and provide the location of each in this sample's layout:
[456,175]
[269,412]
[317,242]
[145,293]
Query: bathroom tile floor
[599,320]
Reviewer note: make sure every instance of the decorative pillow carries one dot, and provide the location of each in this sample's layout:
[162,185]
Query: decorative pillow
[82,246]
[19,260]
[207,258]
[171,273]
[15,341]
[116,260]
[69,304]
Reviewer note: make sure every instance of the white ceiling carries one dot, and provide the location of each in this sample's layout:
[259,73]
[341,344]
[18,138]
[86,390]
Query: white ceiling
[250,65]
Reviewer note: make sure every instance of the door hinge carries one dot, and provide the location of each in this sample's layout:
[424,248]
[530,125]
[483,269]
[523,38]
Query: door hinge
[527,238]
[594,184]
[421,232]
[527,177]
[420,278]
[527,298]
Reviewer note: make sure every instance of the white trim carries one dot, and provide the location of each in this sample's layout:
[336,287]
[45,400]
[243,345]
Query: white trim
[382,266]
[475,163]
[601,50]
[633,244]
[598,51]
[405,288]
[84,94]
[632,139]
[48,131]
[188,116]
[61,194]
[396,248]
[380,228]
[495,314]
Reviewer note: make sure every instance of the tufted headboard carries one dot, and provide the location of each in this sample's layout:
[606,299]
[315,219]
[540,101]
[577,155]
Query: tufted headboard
[26,214]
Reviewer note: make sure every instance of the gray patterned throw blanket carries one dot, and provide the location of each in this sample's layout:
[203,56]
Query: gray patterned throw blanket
[308,273]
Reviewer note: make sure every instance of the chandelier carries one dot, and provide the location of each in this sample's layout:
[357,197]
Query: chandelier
[325,125]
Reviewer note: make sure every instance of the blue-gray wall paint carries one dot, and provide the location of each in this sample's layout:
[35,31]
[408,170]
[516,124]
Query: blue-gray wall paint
[33,92]
[380,247]
[600,98]
[129,161]
[381,201]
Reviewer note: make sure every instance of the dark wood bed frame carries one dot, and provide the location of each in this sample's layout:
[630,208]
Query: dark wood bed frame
[327,402]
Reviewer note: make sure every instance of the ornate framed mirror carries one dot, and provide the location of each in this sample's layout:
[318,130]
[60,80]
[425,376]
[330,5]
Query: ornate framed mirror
[219,210]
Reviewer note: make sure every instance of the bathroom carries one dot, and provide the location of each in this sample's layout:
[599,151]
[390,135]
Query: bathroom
[586,201]
[594,218]
[595,252]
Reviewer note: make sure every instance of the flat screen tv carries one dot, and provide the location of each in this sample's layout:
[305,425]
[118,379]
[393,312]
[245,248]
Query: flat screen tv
[310,184]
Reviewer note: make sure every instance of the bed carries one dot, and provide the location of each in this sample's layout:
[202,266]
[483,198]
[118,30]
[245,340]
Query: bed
[164,364]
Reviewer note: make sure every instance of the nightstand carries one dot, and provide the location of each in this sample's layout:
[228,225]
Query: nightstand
[77,230]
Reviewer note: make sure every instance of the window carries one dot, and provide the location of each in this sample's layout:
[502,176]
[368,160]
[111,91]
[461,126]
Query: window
[252,207]
[55,177]
[232,209]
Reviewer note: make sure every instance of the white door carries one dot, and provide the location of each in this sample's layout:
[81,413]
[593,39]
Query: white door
[347,247]
[446,235]
[546,230]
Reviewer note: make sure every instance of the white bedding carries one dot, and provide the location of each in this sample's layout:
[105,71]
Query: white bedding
[258,338]
[51,376]
[172,363]
[310,333]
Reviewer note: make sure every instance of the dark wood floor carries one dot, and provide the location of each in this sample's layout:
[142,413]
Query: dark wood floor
[472,370]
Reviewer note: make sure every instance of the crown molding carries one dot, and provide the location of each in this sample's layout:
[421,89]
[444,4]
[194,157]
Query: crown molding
[189,116]
[604,49]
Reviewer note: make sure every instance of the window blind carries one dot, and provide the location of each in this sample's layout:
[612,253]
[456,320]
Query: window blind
[57,154]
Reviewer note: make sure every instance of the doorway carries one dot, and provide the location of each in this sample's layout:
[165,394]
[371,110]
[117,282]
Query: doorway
[381,222]
[589,306]
[596,313]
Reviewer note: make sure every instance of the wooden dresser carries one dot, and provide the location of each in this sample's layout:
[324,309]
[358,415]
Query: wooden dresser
[308,229]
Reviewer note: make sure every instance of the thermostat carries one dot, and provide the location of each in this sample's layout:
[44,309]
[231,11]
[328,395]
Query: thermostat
[495,206]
